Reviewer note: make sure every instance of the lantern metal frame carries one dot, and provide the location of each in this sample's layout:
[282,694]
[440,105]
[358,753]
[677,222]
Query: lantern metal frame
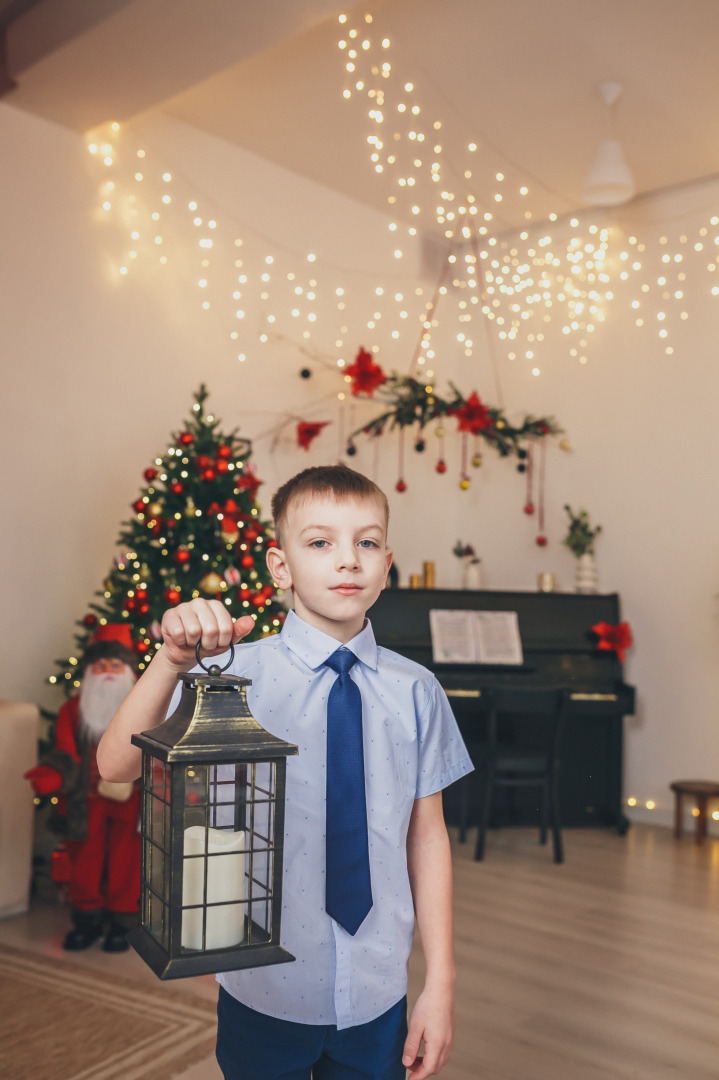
[186,776]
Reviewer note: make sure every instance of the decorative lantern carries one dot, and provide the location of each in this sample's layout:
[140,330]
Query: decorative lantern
[213,808]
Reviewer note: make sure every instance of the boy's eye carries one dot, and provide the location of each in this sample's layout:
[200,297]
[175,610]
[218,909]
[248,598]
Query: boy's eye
[318,544]
[368,543]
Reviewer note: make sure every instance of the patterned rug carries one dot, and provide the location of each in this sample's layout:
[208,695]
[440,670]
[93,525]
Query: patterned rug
[67,1022]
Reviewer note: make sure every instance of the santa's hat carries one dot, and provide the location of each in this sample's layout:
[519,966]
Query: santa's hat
[114,632]
[113,640]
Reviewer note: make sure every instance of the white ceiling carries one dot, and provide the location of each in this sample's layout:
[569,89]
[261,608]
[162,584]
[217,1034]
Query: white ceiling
[519,77]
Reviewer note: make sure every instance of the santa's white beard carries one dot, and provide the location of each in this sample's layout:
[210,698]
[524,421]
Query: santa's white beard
[100,697]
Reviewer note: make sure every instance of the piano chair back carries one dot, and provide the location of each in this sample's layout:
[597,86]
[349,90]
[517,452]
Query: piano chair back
[531,761]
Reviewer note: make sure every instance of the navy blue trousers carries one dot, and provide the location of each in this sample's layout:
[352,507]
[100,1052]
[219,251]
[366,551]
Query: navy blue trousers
[252,1046]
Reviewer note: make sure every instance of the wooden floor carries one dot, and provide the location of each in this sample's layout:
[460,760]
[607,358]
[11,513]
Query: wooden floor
[604,968]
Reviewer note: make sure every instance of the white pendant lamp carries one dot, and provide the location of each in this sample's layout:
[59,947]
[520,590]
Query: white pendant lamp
[609,181]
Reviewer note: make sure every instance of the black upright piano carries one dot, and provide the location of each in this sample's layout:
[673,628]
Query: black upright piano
[560,651]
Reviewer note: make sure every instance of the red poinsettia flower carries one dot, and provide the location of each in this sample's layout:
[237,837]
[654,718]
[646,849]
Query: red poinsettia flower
[473,415]
[307,431]
[249,482]
[613,638]
[365,374]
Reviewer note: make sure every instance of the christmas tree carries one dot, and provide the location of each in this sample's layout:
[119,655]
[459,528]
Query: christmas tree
[196,531]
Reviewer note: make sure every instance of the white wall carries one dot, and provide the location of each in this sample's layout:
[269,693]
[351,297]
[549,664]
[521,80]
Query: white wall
[98,370]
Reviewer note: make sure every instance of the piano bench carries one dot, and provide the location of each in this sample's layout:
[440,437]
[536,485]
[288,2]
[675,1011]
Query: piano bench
[701,791]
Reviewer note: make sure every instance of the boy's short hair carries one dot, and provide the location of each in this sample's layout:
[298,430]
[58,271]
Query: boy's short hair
[337,481]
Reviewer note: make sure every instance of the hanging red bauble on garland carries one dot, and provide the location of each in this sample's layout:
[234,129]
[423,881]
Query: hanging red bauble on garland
[529,508]
[400,486]
[366,376]
[541,540]
[440,467]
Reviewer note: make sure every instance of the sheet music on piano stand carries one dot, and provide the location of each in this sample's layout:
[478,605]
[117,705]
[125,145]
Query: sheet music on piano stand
[475,637]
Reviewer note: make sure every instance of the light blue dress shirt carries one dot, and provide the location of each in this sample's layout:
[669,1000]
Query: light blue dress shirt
[412,748]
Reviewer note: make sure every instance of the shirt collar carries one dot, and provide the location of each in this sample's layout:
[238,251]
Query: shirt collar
[314,647]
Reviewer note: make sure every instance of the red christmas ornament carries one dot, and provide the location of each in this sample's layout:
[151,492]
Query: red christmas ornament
[248,482]
[248,561]
[202,461]
[250,535]
[208,474]
[139,506]
[307,431]
[541,541]
[366,376]
[224,451]
[244,593]
[182,556]
[150,473]
[172,596]
[271,543]
[529,508]
[176,487]
[221,465]
[440,467]
[258,599]
[400,486]
[186,438]
[89,621]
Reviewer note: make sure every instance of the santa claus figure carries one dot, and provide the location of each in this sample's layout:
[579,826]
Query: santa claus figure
[100,820]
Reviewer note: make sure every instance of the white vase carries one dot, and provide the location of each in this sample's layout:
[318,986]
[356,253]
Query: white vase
[585,577]
[472,575]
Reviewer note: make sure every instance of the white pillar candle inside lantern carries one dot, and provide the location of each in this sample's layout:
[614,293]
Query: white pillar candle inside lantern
[225,862]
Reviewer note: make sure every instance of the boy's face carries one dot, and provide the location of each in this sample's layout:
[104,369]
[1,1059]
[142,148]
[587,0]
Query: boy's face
[334,558]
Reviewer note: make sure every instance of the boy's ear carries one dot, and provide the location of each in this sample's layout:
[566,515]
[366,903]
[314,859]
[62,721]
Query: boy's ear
[277,566]
[389,556]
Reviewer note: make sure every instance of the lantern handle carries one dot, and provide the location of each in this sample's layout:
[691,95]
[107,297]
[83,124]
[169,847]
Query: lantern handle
[214,669]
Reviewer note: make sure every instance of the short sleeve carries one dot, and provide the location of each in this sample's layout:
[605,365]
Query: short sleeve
[442,755]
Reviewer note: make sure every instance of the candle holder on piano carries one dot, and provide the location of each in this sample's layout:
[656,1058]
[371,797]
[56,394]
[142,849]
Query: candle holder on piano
[213,801]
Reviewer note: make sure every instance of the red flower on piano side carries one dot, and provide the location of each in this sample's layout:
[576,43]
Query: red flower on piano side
[614,638]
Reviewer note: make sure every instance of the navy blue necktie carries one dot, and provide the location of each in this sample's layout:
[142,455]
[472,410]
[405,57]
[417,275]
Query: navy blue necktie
[348,886]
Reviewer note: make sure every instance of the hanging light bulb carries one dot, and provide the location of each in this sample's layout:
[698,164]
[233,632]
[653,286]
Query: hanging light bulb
[609,181]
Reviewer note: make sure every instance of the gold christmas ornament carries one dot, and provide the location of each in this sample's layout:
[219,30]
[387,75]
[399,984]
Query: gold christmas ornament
[464,483]
[190,508]
[211,583]
[154,508]
[439,432]
[477,461]
[564,444]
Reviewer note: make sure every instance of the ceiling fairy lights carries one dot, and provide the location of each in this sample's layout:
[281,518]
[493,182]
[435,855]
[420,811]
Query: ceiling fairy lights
[521,288]
[567,270]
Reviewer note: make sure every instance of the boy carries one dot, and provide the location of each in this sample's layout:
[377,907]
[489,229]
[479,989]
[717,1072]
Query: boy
[339,1011]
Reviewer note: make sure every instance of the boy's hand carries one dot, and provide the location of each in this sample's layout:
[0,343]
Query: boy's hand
[432,1020]
[205,621]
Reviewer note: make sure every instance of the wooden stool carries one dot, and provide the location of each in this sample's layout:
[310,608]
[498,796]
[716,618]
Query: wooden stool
[701,791]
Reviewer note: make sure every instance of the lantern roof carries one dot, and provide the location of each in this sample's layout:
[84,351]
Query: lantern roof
[213,723]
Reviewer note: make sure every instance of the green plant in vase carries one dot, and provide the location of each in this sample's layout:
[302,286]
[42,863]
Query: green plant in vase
[580,541]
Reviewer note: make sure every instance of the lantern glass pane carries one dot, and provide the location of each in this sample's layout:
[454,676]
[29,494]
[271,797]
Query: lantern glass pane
[155,849]
[228,855]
